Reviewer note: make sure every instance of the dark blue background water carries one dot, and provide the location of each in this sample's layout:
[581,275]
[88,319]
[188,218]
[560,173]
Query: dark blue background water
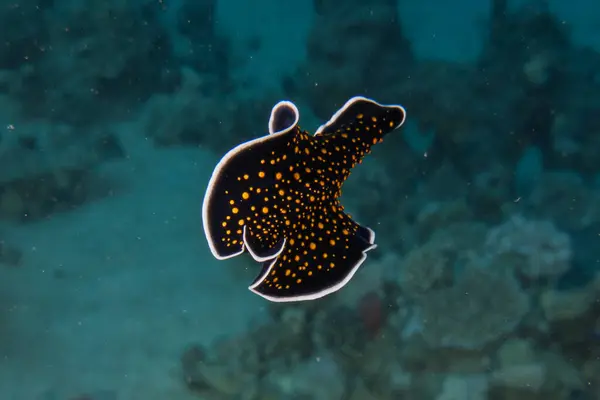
[485,282]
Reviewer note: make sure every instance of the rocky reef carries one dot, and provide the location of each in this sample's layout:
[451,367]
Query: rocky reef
[474,311]
[66,106]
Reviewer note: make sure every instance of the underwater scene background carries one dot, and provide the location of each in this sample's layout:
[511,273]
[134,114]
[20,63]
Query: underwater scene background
[486,203]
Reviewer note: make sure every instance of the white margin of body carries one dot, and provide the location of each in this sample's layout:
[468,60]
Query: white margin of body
[231,153]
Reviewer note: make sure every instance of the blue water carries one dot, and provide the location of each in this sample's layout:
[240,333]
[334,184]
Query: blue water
[485,283]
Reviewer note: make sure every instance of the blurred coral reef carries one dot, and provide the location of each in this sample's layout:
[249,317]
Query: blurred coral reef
[488,287]
[473,311]
[486,283]
[65,104]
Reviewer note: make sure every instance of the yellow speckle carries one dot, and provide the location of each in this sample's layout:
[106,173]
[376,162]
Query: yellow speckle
[373,119]
[298,280]
[261,174]
[281,192]
[312,246]
[287,272]
[265,210]
[245,195]
[278,176]
[223,224]
[246,176]
[332,242]
[235,210]
[241,222]
[297,258]
[296,176]
[309,273]
[360,116]
[345,232]
[231,202]
[320,225]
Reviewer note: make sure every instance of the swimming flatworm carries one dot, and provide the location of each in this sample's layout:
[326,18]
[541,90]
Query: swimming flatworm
[277,198]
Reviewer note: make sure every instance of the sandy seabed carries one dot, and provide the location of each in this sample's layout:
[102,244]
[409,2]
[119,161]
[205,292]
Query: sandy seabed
[109,295]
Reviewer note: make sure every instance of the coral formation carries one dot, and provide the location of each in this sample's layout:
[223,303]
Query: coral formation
[535,249]
[60,60]
[481,307]
[64,101]
[189,116]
